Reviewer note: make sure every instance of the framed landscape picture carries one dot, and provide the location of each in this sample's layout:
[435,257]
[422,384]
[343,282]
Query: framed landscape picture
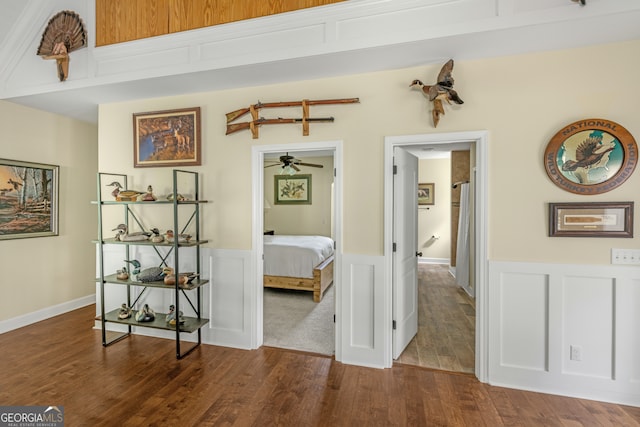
[167,138]
[28,199]
[292,190]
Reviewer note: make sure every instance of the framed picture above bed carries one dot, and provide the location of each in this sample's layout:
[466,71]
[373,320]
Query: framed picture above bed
[292,190]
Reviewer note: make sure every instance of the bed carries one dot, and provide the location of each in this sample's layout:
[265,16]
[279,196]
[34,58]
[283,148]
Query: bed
[298,262]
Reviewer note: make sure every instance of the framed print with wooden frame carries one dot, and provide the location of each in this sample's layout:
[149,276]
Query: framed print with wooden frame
[595,219]
[292,190]
[28,199]
[591,156]
[167,138]
[426,194]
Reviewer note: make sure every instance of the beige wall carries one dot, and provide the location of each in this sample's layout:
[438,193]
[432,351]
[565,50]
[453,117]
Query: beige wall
[38,273]
[435,219]
[521,100]
[314,218]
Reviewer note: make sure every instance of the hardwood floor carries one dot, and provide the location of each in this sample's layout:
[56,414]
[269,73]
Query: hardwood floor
[138,382]
[446,323]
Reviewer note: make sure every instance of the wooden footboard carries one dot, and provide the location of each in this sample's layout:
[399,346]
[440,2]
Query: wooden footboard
[322,278]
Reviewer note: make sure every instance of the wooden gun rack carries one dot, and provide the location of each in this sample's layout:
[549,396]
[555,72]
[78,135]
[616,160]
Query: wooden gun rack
[305,103]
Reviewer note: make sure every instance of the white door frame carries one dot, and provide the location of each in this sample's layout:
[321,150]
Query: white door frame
[257,292]
[481,232]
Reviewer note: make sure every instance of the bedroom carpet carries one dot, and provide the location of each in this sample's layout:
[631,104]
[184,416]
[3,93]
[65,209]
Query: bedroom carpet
[292,320]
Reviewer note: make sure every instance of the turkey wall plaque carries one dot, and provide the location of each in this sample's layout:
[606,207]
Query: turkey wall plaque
[591,156]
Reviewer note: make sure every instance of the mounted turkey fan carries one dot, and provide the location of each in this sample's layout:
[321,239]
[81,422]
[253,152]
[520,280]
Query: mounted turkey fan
[290,164]
[65,33]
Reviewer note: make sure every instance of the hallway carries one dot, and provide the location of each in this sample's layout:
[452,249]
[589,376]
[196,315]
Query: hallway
[446,323]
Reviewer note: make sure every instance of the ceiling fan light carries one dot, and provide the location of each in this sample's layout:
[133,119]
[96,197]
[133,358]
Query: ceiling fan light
[287,170]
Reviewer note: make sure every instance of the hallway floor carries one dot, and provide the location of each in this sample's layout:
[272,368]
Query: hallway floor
[446,323]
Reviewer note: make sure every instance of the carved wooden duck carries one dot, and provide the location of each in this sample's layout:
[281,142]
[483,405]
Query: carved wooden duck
[441,91]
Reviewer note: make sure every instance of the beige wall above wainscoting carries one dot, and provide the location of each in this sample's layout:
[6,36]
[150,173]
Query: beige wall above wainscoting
[514,98]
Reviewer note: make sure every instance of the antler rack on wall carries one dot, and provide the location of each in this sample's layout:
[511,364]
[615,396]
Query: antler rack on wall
[257,121]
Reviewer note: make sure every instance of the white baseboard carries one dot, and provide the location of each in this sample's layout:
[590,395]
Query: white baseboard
[45,313]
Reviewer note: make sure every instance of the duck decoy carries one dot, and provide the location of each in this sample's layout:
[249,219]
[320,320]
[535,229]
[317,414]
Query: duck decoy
[146,314]
[441,91]
[179,197]
[123,195]
[122,274]
[171,316]
[151,274]
[136,265]
[185,278]
[125,312]
[149,196]
[182,238]
[122,234]
[156,237]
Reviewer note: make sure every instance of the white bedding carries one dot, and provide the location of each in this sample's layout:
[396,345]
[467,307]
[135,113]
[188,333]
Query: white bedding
[295,256]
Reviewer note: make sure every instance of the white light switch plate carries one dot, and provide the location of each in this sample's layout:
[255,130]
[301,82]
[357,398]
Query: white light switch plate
[625,256]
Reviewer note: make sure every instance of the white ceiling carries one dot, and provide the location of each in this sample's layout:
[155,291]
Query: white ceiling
[82,103]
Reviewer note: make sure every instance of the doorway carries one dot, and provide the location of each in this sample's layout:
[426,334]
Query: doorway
[406,143]
[445,337]
[260,188]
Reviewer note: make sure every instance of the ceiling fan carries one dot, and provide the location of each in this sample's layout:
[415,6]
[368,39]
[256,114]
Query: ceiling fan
[290,164]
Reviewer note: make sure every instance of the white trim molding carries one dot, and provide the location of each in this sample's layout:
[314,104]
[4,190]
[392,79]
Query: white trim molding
[46,313]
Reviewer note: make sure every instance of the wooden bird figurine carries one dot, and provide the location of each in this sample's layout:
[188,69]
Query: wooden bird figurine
[123,235]
[182,238]
[442,90]
[65,33]
[122,195]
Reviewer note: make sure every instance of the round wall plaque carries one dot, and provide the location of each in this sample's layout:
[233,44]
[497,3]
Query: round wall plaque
[591,156]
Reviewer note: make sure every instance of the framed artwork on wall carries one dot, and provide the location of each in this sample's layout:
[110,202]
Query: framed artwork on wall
[28,199]
[596,219]
[591,156]
[292,190]
[426,194]
[167,138]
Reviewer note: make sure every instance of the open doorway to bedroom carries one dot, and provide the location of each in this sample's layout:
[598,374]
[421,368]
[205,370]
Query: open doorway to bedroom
[298,235]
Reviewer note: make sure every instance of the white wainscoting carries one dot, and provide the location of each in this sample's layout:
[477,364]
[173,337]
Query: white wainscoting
[364,302]
[225,300]
[228,297]
[537,312]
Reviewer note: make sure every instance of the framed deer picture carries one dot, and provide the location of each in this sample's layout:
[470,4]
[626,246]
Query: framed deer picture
[28,199]
[167,138]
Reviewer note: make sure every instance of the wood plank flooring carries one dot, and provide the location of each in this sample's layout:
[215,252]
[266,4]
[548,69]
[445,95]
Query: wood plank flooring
[446,323]
[138,382]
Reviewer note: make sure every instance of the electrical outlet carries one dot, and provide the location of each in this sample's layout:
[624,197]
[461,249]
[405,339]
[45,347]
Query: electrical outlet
[576,353]
[625,256]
